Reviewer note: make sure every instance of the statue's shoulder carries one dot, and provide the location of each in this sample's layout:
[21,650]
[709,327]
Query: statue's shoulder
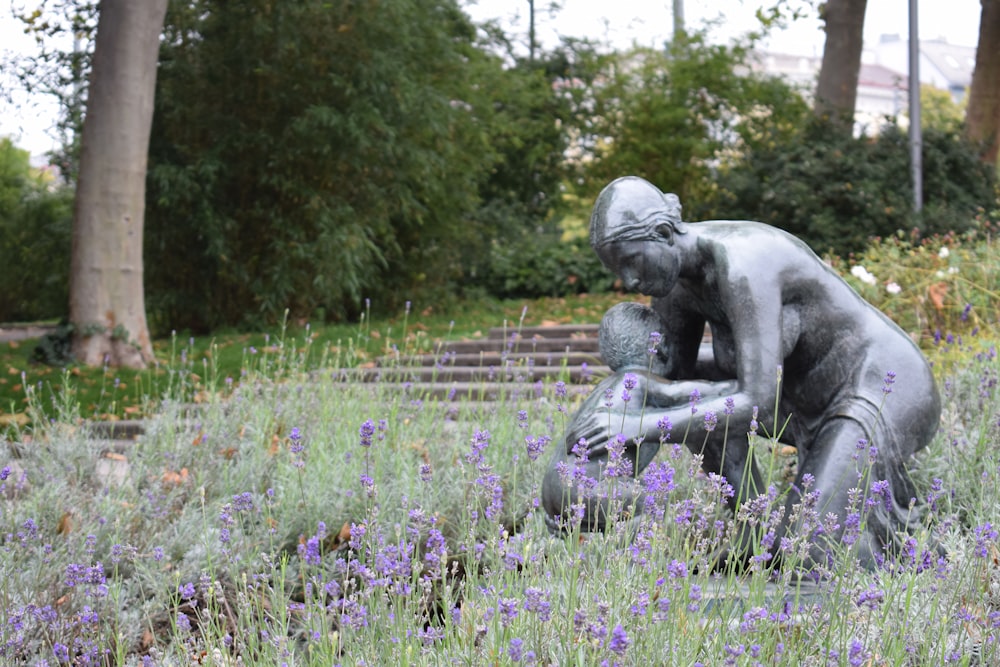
[747,236]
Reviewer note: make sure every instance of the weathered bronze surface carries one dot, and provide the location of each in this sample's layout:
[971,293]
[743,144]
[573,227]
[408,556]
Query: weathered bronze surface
[803,351]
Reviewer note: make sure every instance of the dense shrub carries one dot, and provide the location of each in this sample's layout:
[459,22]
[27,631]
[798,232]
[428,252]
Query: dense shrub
[36,219]
[837,192]
[938,289]
[543,264]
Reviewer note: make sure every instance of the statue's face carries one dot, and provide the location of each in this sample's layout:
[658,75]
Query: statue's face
[649,267]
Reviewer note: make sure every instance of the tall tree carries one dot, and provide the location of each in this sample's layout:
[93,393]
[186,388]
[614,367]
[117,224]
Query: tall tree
[982,119]
[107,304]
[837,87]
[310,155]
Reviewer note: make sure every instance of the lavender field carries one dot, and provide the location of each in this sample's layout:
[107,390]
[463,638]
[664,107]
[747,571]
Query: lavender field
[295,518]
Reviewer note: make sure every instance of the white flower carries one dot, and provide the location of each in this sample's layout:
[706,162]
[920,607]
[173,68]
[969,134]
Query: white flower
[943,252]
[862,274]
[953,270]
[893,288]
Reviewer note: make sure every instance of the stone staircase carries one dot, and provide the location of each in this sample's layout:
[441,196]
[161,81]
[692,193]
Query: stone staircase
[505,362]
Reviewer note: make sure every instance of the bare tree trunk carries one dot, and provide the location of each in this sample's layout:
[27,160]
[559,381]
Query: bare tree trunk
[837,87]
[982,117]
[107,305]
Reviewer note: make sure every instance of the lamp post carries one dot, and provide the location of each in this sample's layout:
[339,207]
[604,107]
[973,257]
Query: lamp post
[916,141]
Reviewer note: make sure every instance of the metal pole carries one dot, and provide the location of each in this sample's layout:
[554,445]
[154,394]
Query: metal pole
[916,141]
[678,18]
[531,30]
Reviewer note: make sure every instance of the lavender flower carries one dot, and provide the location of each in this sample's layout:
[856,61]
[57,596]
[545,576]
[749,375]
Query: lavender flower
[297,447]
[516,649]
[694,399]
[711,421]
[618,465]
[730,406]
[536,445]
[619,640]
[536,601]
[870,598]
[508,610]
[890,379]
[366,432]
[985,535]
[654,342]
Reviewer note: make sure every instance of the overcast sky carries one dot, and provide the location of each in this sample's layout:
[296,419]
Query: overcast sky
[650,22]
[622,23]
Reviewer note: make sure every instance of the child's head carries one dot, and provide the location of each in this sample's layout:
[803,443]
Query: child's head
[626,336]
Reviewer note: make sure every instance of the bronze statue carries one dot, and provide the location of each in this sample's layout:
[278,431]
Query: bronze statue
[804,351]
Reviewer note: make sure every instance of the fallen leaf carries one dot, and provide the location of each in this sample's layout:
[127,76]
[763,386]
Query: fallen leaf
[937,292]
[171,478]
[65,526]
[16,419]
[14,345]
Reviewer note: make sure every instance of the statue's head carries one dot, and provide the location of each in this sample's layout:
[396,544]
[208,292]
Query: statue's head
[630,337]
[633,209]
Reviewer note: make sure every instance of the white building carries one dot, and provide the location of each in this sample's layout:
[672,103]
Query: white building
[942,65]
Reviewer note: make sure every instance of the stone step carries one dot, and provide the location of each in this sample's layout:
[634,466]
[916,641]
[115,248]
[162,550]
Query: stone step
[476,391]
[582,344]
[545,331]
[494,358]
[582,374]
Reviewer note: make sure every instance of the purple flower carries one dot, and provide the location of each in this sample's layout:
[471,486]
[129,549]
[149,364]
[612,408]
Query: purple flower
[183,622]
[536,600]
[297,447]
[654,342]
[4,474]
[516,649]
[61,652]
[711,421]
[243,502]
[730,406]
[310,550]
[985,535]
[426,473]
[508,611]
[366,432]
[694,399]
[618,465]
[536,445]
[890,379]
[870,598]
[619,640]
[186,591]
[753,422]
[965,311]
[296,437]
[880,489]
[560,389]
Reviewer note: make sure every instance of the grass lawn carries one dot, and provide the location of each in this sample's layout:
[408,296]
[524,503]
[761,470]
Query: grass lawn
[189,368]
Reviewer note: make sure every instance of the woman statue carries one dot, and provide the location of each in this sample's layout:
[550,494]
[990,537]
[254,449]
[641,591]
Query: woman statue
[809,357]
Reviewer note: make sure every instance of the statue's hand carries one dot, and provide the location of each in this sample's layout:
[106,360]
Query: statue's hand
[591,429]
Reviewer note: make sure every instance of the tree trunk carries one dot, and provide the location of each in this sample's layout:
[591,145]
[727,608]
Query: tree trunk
[982,117]
[106,302]
[837,87]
